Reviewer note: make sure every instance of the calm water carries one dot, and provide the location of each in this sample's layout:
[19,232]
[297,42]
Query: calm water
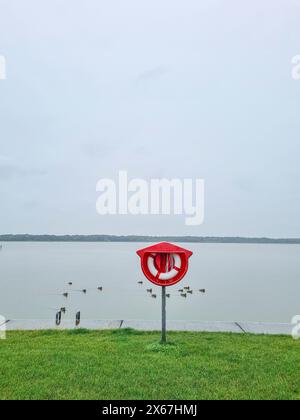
[243,282]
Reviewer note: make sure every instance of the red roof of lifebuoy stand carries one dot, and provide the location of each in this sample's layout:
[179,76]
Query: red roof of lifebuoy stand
[165,248]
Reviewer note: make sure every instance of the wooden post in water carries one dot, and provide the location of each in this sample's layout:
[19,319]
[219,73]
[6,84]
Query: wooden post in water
[163,316]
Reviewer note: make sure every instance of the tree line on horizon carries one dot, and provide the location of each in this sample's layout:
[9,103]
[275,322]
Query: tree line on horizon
[139,238]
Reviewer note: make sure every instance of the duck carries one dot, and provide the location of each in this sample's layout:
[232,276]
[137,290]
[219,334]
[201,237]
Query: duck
[78,316]
[58,318]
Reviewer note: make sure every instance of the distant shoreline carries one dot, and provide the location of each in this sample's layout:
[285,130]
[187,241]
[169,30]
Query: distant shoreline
[136,238]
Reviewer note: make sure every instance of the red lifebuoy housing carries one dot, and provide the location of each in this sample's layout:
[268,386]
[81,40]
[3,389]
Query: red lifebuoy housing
[164,264]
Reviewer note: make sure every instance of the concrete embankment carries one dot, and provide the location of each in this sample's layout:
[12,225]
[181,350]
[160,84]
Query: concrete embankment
[233,327]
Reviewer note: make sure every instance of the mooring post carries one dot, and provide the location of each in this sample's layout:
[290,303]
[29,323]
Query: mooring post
[163,315]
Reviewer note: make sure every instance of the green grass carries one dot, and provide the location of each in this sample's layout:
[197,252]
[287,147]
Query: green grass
[127,364]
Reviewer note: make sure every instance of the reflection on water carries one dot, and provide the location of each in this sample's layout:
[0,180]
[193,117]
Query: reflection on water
[243,282]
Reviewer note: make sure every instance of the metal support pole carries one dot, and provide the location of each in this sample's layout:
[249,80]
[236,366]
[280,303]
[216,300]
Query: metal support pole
[163,315]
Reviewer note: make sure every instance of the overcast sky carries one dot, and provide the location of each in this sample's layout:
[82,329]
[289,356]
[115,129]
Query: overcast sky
[158,88]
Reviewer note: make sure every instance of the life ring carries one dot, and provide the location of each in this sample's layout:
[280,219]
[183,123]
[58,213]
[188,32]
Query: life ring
[164,264]
[169,275]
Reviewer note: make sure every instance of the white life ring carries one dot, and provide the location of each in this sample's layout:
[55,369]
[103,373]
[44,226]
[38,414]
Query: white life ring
[170,274]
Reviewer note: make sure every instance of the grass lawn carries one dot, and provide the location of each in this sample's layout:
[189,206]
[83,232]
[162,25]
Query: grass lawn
[127,364]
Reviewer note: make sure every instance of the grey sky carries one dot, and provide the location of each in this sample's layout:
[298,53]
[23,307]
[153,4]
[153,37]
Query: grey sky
[160,88]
